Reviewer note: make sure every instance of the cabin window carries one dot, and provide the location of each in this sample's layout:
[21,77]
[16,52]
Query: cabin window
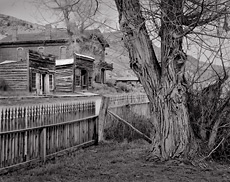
[20,54]
[90,81]
[102,75]
[97,78]
[84,77]
[33,80]
[51,82]
[63,52]
[41,49]
[40,81]
[77,80]
[77,77]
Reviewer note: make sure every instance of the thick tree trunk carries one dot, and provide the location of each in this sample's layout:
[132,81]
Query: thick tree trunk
[164,84]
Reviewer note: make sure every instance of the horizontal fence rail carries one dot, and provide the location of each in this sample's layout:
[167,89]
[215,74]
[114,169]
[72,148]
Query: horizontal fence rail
[127,99]
[33,132]
[37,131]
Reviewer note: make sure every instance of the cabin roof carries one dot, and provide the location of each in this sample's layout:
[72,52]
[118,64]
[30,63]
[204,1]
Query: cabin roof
[84,56]
[8,61]
[60,62]
[131,78]
[55,35]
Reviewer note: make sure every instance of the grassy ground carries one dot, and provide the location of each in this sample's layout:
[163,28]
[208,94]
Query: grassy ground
[116,162]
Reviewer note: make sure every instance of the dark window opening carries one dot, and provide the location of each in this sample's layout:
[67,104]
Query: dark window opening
[43,83]
[102,75]
[51,82]
[77,77]
[90,81]
[84,77]
[77,80]
[33,80]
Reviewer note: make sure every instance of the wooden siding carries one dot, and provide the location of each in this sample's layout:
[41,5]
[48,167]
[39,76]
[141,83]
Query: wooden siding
[41,62]
[43,66]
[84,64]
[64,79]
[105,65]
[15,75]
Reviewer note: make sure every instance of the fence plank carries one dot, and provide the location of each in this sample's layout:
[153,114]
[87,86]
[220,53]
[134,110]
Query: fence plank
[43,145]
[32,132]
[102,117]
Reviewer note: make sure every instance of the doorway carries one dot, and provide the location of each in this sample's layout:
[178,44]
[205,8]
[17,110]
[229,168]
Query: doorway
[103,75]
[84,79]
[43,83]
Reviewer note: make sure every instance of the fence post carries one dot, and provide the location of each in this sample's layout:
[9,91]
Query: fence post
[43,145]
[102,117]
[26,133]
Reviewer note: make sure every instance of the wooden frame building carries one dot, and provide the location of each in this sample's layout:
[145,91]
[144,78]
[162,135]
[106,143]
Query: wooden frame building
[74,74]
[56,41]
[36,74]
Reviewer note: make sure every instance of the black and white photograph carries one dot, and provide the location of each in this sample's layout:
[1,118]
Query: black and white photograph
[114,90]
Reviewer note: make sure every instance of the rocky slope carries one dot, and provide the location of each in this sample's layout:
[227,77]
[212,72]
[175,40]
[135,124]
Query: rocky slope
[8,23]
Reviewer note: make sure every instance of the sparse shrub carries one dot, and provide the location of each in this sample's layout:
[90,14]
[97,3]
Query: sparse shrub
[122,87]
[8,24]
[103,89]
[111,82]
[3,85]
[98,86]
[118,131]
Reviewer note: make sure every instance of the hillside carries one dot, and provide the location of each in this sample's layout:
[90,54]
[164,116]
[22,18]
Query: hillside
[115,54]
[8,23]
[118,55]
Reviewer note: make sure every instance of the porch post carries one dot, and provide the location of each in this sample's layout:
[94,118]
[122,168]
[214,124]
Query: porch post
[38,75]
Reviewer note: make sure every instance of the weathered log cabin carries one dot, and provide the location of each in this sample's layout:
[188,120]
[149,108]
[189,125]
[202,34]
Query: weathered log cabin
[36,74]
[56,41]
[74,74]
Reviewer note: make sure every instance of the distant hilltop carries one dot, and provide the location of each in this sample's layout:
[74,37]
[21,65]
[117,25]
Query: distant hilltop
[8,22]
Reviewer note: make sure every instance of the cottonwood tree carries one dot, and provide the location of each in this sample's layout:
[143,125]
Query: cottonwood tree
[76,15]
[172,104]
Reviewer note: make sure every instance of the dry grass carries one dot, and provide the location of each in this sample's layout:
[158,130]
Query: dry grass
[118,131]
[116,162]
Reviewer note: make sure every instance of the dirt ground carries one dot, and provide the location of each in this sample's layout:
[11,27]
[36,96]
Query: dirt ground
[116,162]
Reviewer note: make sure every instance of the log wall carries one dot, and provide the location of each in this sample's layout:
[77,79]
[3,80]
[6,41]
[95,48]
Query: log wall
[64,79]
[15,75]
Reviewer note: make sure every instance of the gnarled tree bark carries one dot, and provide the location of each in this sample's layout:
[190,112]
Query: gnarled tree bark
[163,82]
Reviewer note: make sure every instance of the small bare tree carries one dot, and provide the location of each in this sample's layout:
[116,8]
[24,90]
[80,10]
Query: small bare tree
[77,16]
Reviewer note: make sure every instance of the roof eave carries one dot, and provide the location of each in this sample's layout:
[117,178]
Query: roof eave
[34,42]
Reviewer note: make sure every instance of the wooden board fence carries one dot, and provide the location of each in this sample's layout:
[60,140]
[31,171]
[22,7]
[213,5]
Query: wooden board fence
[120,105]
[35,132]
[127,99]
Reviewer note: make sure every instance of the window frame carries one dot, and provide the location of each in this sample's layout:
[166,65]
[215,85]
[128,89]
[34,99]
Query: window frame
[20,56]
[51,82]
[60,52]
[33,80]
[43,49]
[77,79]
